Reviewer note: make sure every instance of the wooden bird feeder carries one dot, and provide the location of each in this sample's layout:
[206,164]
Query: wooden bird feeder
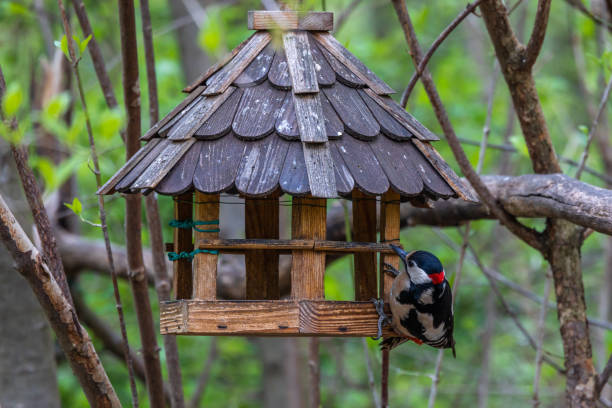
[297,115]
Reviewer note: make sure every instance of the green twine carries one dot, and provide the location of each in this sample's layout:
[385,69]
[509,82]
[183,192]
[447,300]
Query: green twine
[173,256]
[188,224]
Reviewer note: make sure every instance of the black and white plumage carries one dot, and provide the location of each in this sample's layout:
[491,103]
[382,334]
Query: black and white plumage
[421,302]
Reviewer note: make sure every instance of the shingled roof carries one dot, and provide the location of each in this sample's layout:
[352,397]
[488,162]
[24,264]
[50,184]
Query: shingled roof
[303,116]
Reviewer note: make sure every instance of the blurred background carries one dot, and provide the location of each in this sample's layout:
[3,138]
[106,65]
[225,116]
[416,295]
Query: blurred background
[495,363]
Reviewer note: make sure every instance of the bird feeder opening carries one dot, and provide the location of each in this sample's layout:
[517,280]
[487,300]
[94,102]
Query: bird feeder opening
[301,117]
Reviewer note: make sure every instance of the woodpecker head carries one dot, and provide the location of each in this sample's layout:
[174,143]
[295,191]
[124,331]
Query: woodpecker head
[421,266]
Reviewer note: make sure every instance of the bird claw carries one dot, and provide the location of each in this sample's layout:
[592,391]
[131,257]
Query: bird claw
[390,269]
[383,319]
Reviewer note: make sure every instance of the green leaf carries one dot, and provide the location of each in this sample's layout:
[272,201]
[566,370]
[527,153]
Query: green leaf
[76,206]
[63,45]
[583,129]
[12,100]
[519,144]
[48,172]
[83,44]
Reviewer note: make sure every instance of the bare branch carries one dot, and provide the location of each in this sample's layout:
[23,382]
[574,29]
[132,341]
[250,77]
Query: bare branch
[538,34]
[434,46]
[72,337]
[528,235]
[593,129]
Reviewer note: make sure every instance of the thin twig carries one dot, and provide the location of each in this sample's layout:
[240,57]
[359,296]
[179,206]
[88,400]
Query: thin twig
[530,236]
[578,5]
[370,372]
[138,281]
[509,310]
[162,280]
[315,375]
[602,107]
[109,252]
[540,342]
[443,35]
[205,375]
[604,376]
[33,195]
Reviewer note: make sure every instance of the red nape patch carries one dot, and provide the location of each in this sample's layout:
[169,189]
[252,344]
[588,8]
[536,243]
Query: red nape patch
[437,278]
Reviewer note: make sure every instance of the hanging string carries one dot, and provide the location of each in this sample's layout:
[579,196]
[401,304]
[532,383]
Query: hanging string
[189,224]
[173,256]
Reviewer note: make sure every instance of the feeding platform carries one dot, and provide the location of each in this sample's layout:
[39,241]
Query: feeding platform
[289,111]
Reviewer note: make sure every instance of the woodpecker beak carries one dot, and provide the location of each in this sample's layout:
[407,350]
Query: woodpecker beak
[402,254]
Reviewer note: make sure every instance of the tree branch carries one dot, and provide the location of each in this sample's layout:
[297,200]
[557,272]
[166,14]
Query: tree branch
[72,337]
[528,235]
[434,46]
[538,34]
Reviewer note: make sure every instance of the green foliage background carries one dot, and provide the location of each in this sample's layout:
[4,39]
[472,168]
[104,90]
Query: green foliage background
[462,68]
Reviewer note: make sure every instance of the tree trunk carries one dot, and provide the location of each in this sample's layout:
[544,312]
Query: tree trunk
[564,257]
[26,345]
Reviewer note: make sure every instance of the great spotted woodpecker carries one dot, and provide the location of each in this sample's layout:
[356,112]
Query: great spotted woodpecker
[421,302]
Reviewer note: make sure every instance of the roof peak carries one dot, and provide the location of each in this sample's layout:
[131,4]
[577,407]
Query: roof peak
[290,20]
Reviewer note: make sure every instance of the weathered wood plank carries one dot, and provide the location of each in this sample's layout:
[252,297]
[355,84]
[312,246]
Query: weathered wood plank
[255,73]
[205,264]
[357,118]
[333,125]
[126,182]
[165,129]
[166,160]
[220,122]
[192,120]
[182,277]
[284,245]
[336,318]
[389,234]
[180,179]
[286,124]
[300,62]
[290,20]
[241,318]
[402,116]
[353,63]
[343,74]
[308,221]
[344,180]
[432,180]
[388,124]
[223,78]
[109,186]
[174,112]
[310,119]
[261,221]
[261,166]
[445,171]
[218,164]
[364,229]
[216,67]
[270,318]
[279,71]
[320,169]
[398,166]
[325,74]
[256,114]
[363,165]
[294,177]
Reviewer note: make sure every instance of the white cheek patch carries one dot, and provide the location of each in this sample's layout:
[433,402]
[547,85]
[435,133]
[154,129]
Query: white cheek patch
[417,275]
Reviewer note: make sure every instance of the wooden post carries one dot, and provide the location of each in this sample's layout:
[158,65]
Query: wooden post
[205,265]
[364,230]
[308,221]
[261,221]
[389,234]
[183,280]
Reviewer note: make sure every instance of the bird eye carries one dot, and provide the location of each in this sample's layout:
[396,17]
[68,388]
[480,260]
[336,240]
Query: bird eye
[411,264]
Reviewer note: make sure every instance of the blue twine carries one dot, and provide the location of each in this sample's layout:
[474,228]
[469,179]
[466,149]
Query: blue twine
[173,256]
[188,224]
